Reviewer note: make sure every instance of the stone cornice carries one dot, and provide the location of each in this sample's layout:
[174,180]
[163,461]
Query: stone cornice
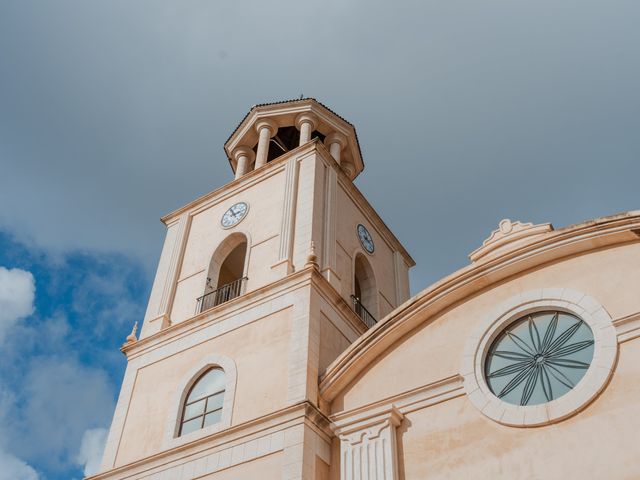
[274,421]
[553,246]
[406,402]
[278,288]
[223,311]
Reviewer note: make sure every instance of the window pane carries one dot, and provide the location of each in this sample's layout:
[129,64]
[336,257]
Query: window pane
[211,382]
[212,418]
[194,410]
[191,426]
[215,402]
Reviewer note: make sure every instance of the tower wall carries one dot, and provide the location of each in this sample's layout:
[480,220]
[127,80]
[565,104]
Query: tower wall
[273,337]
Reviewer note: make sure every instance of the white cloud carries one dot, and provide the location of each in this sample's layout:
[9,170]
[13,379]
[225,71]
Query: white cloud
[12,468]
[60,400]
[91,449]
[17,292]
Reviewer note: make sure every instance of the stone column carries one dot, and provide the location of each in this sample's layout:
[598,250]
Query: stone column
[266,129]
[243,157]
[306,123]
[335,142]
[368,449]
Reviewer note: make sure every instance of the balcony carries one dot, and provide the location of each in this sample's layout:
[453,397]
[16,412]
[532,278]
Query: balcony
[220,295]
[364,314]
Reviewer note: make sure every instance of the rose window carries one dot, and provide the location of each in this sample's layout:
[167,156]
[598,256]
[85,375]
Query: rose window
[539,358]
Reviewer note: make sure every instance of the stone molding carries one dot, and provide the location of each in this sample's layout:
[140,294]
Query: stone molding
[272,433]
[228,366]
[628,327]
[368,447]
[594,381]
[208,463]
[577,239]
[371,429]
[507,235]
[238,312]
[411,400]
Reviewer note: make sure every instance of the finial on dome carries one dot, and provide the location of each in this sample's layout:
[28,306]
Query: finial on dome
[312,258]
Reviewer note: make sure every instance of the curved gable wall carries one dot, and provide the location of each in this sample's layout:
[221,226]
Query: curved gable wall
[402,378]
[379,366]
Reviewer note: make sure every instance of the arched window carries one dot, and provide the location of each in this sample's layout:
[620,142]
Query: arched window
[227,272]
[203,405]
[365,292]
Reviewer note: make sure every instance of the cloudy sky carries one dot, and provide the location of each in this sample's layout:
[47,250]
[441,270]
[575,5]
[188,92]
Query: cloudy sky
[113,113]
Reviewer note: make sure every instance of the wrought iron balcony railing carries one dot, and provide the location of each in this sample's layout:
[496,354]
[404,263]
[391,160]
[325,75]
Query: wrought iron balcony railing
[364,314]
[223,294]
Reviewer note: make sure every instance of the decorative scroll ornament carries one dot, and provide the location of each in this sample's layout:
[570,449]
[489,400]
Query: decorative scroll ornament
[507,236]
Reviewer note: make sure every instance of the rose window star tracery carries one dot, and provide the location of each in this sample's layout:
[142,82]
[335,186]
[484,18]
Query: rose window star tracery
[539,358]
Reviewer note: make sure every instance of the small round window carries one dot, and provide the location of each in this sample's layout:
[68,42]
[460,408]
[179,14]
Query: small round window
[539,358]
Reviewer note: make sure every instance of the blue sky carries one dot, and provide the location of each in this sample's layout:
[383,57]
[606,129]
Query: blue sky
[61,327]
[113,113]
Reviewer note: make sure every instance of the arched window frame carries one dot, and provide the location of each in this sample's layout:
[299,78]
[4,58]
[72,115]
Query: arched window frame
[374,309]
[172,429]
[222,251]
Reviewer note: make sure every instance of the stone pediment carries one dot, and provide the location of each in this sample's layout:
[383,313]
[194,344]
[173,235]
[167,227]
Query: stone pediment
[509,235]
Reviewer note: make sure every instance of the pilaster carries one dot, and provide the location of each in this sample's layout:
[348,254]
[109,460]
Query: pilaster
[368,449]
[284,265]
[158,311]
[329,266]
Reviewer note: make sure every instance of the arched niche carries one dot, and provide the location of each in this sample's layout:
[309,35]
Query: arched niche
[228,266]
[365,289]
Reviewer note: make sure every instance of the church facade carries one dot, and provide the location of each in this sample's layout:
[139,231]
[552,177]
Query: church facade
[280,340]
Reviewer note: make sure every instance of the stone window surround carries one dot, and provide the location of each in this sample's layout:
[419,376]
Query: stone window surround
[595,379]
[172,426]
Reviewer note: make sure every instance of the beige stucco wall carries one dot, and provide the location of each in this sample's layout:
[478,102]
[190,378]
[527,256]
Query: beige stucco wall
[263,468]
[260,351]
[434,350]
[332,342]
[290,205]
[349,216]
[454,440]
[261,225]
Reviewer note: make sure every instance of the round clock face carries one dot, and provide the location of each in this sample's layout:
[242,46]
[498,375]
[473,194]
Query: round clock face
[235,213]
[365,238]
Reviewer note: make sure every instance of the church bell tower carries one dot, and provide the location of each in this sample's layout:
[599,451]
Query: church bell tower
[261,284]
